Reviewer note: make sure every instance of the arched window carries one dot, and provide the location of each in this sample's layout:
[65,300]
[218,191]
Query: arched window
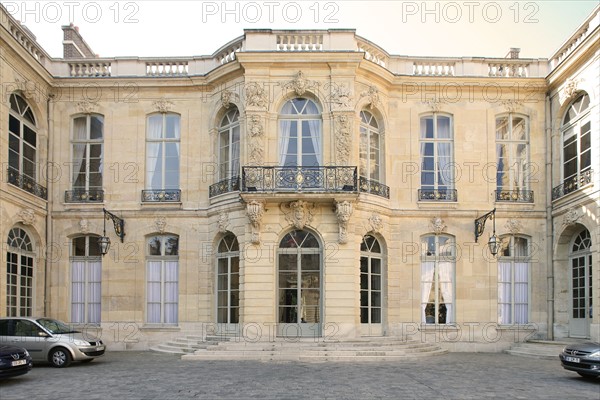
[162,157]
[19,274]
[437,157]
[88,143]
[512,155]
[162,276]
[438,259]
[86,280]
[577,155]
[228,280]
[371,281]
[370,148]
[22,145]
[513,280]
[581,285]
[300,137]
[229,145]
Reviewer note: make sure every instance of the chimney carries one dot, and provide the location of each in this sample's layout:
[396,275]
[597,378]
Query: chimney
[513,52]
[73,44]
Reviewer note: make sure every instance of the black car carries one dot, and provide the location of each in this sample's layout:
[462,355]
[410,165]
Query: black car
[14,361]
[583,358]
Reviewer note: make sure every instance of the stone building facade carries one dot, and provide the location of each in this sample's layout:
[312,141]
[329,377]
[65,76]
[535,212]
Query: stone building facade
[302,184]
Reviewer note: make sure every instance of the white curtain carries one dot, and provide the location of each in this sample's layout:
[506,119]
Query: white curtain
[153,311]
[447,288]
[171,295]
[427,270]
[314,127]
[153,150]
[284,140]
[521,292]
[79,134]
[504,293]
[235,153]
[95,291]
[78,292]
[446,172]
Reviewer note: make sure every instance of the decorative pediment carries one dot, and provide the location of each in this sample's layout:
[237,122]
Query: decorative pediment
[163,105]
[298,213]
[255,211]
[343,211]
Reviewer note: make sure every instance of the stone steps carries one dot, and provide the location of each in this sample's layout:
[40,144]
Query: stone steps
[540,349]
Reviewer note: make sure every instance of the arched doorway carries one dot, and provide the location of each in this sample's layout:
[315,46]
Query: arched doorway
[580,262]
[299,285]
[19,274]
[371,287]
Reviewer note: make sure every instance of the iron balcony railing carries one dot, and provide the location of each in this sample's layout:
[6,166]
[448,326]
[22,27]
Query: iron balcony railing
[224,186]
[438,195]
[84,196]
[516,196]
[572,184]
[161,196]
[26,183]
[373,187]
[299,179]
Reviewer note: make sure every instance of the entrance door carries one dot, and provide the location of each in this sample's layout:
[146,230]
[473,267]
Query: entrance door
[299,286]
[581,286]
[371,287]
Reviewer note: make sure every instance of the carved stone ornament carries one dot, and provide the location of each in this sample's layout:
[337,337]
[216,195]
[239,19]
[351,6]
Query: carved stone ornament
[376,223]
[27,88]
[256,96]
[27,216]
[226,97]
[255,145]
[435,105]
[569,89]
[341,98]
[298,213]
[163,105]
[372,95]
[87,107]
[512,105]
[255,211]
[160,223]
[299,84]
[571,217]
[437,225]
[514,226]
[84,226]
[342,140]
[343,211]
[223,222]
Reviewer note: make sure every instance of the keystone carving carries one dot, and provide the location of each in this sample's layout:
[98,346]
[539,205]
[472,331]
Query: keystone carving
[27,216]
[376,223]
[255,211]
[437,225]
[160,223]
[84,226]
[372,95]
[298,213]
[343,211]
[223,222]
[514,226]
[571,217]
[163,105]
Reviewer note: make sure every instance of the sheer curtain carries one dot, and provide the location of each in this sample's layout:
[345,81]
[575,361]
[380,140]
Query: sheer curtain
[154,161]
[95,291]
[446,286]
[235,152]
[78,291]
[153,292]
[314,127]
[427,271]
[284,140]
[79,134]
[521,292]
[504,293]
[171,291]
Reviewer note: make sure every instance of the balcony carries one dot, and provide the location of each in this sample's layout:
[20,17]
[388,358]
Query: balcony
[328,179]
[572,184]
[161,196]
[438,195]
[515,196]
[224,186]
[26,183]
[84,196]
[373,187]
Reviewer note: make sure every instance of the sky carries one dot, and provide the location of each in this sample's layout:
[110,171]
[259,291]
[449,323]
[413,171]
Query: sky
[151,28]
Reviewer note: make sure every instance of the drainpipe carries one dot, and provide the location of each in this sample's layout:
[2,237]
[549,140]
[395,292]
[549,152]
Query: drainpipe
[549,223]
[48,207]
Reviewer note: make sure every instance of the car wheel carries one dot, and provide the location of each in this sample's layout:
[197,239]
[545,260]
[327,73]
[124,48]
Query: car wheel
[60,357]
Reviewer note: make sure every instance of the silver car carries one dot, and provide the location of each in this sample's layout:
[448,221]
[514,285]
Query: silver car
[50,340]
[583,358]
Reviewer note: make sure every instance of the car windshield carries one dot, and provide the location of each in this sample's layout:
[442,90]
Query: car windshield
[54,326]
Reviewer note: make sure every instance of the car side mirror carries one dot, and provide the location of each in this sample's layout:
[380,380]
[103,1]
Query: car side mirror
[43,334]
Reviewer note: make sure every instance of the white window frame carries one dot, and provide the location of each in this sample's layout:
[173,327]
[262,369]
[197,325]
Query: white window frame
[228,255]
[164,262]
[87,142]
[437,254]
[513,169]
[229,168]
[299,116]
[573,129]
[436,140]
[367,130]
[163,141]
[510,261]
[24,248]
[89,281]
[21,116]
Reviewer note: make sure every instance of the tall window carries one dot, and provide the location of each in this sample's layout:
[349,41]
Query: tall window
[86,280]
[512,148]
[438,258]
[88,141]
[162,276]
[229,146]
[370,147]
[300,134]
[513,281]
[370,281]
[162,151]
[19,274]
[228,280]
[437,172]
[22,138]
[576,130]
[581,284]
